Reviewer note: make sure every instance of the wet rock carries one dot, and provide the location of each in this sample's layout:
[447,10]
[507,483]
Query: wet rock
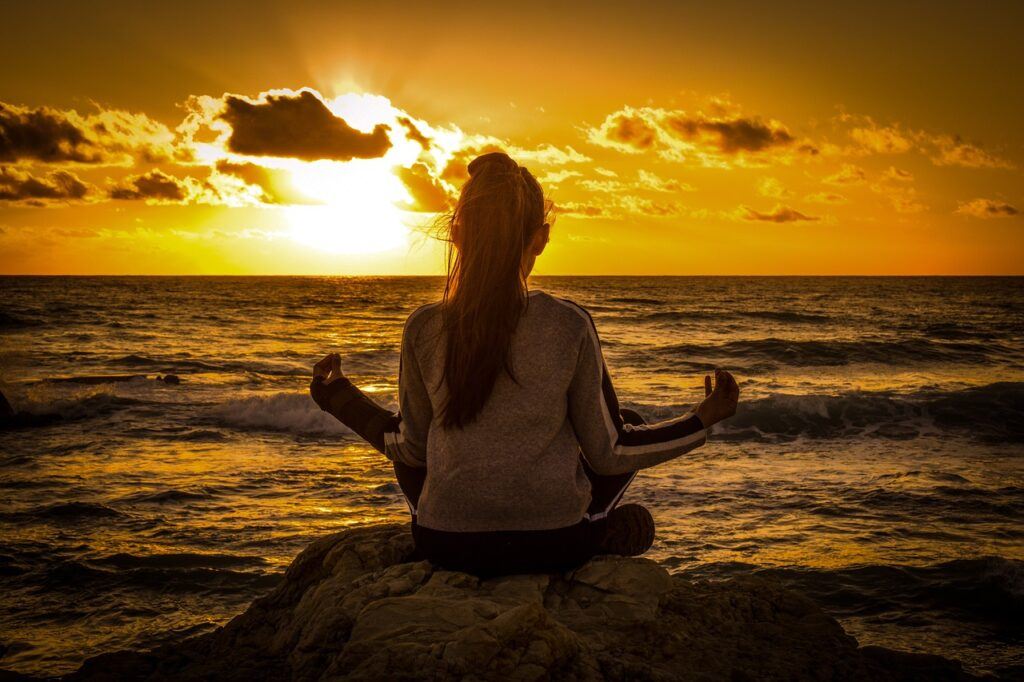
[6,411]
[351,607]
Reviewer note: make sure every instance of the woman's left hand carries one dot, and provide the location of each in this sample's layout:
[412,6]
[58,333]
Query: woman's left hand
[328,369]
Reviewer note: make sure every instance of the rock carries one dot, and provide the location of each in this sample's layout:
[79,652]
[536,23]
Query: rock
[351,607]
[171,379]
[6,411]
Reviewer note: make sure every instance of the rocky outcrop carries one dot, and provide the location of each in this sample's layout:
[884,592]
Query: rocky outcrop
[351,607]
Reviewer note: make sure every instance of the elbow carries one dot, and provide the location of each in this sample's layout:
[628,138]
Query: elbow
[610,467]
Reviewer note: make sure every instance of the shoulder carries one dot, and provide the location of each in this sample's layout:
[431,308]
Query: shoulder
[421,317]
[565,310]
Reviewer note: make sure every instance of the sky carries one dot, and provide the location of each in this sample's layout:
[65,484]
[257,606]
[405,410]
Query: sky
[674,138]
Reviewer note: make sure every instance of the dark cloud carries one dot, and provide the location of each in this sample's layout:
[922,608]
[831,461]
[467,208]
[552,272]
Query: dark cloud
[632,131]
[299,126]
[730,135]
[987,208]
[59,185]
[155,185]
[428,193]
[106,136]
[275,184]
[44,134]
[780,214]
[414,133]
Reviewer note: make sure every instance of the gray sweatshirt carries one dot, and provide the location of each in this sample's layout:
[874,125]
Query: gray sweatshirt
[517,465]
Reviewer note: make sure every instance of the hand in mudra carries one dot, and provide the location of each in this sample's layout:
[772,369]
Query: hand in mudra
[329,368]
[721,400]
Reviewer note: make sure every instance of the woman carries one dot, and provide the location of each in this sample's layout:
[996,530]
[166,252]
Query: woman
[509,444]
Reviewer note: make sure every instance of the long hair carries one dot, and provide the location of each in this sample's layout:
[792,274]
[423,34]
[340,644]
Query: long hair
[500,209]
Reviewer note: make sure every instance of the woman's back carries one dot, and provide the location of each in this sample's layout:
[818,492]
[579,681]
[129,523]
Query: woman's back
[517,464]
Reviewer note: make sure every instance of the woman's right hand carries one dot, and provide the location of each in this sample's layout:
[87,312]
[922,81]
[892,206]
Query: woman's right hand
[720,401]
[328,369]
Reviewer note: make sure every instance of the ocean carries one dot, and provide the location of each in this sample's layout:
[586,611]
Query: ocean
[876,463]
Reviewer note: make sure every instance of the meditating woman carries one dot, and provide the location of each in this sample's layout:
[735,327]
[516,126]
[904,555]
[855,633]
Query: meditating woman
[510,445]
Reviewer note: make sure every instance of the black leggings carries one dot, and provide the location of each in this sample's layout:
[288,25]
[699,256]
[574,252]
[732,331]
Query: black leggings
[518,551]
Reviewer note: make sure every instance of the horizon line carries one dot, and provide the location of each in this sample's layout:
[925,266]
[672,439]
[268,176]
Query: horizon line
[439,276]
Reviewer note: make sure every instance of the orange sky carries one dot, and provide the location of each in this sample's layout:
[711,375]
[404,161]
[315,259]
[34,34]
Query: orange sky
[317,138]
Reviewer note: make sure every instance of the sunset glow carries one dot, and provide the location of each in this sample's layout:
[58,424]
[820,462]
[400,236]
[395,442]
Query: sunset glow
[307,144]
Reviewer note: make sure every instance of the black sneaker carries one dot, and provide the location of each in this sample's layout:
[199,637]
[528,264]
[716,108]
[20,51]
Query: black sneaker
[629,531]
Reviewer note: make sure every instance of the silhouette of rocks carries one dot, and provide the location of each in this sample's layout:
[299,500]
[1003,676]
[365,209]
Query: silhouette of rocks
[9,419]
[171,379]
[351,607]
[6,411]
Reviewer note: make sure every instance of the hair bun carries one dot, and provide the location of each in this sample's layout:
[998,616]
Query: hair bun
[492,161]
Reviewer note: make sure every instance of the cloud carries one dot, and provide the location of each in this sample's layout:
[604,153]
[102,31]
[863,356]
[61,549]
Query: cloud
[275,185]
[895,174]
[950,150]
[59,185]
[729,135]
[556,177]
[723,138]
[987,208]
[826,198]
[646,181]
[582,210]
[299,126]
[454,170]
[882,139]
[779,214]
[107,137]
[651,181]
[849,174]
[628,130]
[154,186]
[414,133]
[642,206]
[428,193]
[547,155]
[942,149]
[603,186]
[772,188]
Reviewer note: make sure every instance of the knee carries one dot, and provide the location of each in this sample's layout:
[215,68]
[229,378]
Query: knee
[631,417]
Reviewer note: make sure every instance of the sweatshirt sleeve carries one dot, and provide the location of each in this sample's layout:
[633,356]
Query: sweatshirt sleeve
[400,437]
[407,443]
[609,445]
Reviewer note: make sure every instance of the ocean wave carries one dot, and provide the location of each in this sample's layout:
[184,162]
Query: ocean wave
[285,412]
[10,321]
[66,511]
[785,316]
[178,560]
[805,353]
[76,407]
[85,576]
[171,496]
[191,365]
[993,412]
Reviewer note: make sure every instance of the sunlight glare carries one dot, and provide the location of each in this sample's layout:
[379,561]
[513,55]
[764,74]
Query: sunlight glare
[358,213]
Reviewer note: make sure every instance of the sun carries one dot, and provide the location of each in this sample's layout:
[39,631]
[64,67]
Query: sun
[356,210]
